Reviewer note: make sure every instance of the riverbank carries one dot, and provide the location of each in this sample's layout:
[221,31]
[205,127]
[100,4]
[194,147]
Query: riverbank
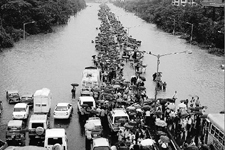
[193,23]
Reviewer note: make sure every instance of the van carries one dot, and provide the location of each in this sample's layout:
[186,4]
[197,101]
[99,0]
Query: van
[90,78]
[42,101]
[56,137]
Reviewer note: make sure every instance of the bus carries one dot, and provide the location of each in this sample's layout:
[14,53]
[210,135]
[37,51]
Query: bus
[214,127]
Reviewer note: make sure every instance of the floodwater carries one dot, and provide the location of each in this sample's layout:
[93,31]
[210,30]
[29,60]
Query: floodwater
[57,59]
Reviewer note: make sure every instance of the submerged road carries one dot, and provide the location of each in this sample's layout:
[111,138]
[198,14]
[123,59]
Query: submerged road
[56,60]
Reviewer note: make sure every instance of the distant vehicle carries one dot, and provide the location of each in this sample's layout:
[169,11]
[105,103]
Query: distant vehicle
[56,138]
[14,134]
[97,131]
[21,111]
[3,145]
[115,117]
[25,148]
[90,78]
[37,126]
[100,144]
[12,96]
[216,131]
[85,101]
[27,98]
[63,111]
[42,101]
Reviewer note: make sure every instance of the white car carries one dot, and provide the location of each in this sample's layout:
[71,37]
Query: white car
[100,144]
[63,111]
[56,139]
[21,111]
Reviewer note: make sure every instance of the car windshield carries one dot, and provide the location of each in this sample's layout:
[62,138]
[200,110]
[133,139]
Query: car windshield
[19,109]
[13,95]
[102,148]
[12,128]
[120,119]
[53,141]
[26,98]
[35,125]
[61,108]
[90,104]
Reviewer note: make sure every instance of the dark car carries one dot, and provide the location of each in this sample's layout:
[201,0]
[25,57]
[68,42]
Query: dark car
[12,96]
[15,134]
[27,98]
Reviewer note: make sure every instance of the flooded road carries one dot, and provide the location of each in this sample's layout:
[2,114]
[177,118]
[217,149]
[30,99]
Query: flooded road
[56,60]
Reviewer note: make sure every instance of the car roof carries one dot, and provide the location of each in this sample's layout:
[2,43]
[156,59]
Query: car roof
[62,104]
[19,105]
[55,132]
[86,98]
[15,123]
[119,112]
[13,91]
[100,142]
[38,118]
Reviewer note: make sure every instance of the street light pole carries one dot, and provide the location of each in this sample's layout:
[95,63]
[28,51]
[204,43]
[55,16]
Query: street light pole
[24,28]
[158,62]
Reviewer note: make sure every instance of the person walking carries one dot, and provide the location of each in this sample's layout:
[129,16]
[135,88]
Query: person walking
[73,91]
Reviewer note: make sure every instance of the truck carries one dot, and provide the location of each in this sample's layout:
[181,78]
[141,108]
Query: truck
[90,78]
[42,101]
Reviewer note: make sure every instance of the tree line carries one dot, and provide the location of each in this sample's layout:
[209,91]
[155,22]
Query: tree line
[207,22]
[38,16]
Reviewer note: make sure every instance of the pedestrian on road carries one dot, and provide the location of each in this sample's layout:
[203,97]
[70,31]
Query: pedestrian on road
[73,91]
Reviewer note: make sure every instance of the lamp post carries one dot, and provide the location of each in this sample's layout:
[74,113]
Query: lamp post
[158,62]
[24,28]
[192,27]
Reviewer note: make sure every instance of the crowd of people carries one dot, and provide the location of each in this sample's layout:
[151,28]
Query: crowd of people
[157,122]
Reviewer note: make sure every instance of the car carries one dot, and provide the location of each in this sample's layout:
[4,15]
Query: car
[100,144]
[37,126]
[85,101]
[25,148]
[15,134]
[97,131]
[3,145]
[56,137]
[12,96]
[21,111]
[116,117]
[27,98]
[63,111]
